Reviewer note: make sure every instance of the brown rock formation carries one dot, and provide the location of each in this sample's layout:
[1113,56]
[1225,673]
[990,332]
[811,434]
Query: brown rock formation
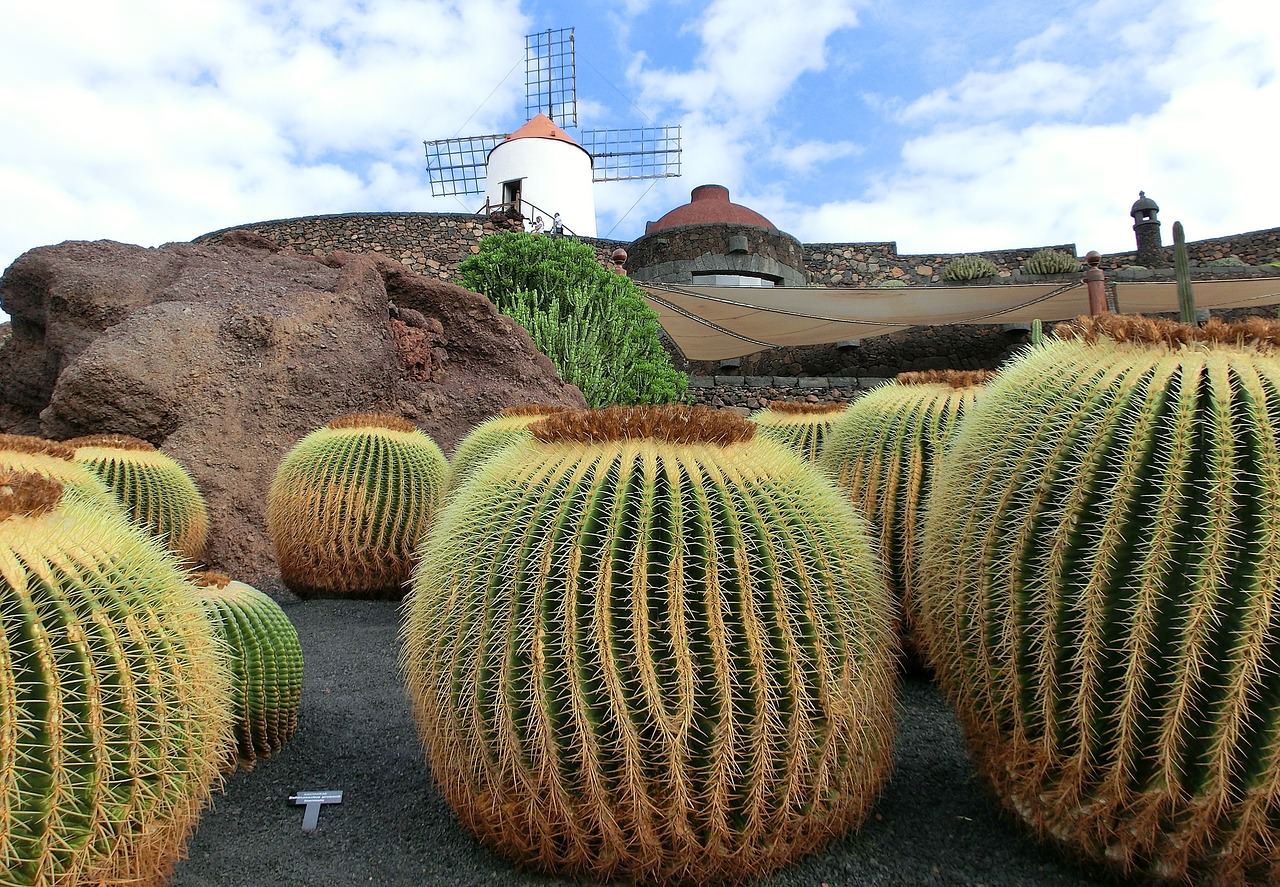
[224,355]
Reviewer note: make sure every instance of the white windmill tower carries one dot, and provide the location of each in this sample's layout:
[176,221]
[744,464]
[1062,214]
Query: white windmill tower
[540,170]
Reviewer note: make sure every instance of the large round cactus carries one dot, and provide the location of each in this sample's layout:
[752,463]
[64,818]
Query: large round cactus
[1101,594]
[113,698]
[349,503]
[649,644]
[54,460]
[153,486]
[265,663]
[882,453]
[508,427]
[800,425]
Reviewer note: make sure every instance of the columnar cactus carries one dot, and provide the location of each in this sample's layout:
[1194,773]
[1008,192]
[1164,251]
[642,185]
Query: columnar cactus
[801,426]
[51,459]
[1101,580]
[969,268]
[508,427]
[349,503]
[648,644]
[113,700]
[882,453]
[1051,261]
[265,664]
[153,487]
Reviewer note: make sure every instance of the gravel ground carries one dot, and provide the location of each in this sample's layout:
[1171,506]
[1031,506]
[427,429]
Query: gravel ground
[934,824]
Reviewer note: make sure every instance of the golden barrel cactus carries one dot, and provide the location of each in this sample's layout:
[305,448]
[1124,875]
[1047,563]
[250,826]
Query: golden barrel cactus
[113,699]
[349,503]
[800,425]
[508,427]
[883,451]
[54,460]
[264,659]
[648,644]
[1101,594]
[154,488]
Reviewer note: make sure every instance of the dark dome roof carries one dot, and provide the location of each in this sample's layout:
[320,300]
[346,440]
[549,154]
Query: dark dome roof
[709,205]
[1143,203]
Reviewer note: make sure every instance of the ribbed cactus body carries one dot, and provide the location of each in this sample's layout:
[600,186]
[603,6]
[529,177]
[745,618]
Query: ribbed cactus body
[883,453]
[801,426]
[1051,261]
[969,268]
[154,488]
[349,503]
[1102,562]
[113,700]
[56,461]
[264,660]
[490,437]
[656,658]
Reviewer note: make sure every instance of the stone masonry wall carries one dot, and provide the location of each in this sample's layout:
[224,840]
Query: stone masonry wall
[868,264]
[1251,247]
[747,393]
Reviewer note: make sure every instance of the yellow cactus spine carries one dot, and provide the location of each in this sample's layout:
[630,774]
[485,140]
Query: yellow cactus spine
[154,488]
[265,664]
[113,698]
[508,427]
[56,461]
[650,645]
[883,452]
[349,503]
[1102,563]
[802,426]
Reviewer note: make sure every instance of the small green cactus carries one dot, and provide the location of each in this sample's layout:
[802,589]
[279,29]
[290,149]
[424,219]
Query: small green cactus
[650,645]
[349,503]
[154,488]
[1051,261]
[51,459]
[1100,594]
[508,427]
[969,268]
[882,454]
[800,425]
[265,663]
[113,698]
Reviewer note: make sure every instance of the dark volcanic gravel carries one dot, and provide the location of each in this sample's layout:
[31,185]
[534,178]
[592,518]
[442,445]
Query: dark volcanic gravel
[934,824]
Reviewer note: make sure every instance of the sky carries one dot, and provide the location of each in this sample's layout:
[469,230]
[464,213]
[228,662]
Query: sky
[943,125]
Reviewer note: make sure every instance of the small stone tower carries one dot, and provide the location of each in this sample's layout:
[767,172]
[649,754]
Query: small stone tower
[1146,228]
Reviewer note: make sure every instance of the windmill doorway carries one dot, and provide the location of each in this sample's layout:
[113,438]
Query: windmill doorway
[511,194]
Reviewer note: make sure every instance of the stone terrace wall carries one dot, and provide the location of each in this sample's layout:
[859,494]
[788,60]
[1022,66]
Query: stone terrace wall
[1251,247]
[747,393]
[867,264]
[431,244]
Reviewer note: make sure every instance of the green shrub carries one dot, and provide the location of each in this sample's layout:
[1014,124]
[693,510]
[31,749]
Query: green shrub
[591,322]
[969,268]
[1227,262]
[1051,261]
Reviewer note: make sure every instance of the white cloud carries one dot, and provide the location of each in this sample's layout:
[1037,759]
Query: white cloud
[1204,148]
[157,121]
[1038,88]
[803,157]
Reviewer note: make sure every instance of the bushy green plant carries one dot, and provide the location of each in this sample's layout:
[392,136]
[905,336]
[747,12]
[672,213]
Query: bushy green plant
[1227,262]
[969,268]
[1051,261]
[591,322]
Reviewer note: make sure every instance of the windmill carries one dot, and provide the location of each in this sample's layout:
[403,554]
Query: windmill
[539,170]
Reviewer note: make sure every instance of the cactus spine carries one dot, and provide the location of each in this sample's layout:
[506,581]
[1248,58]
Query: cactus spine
[265,664]
[649,645]
[56,461]
[801,426]
[349,503]
[154,488]
[508,427]
[1182,271]
[1101,570]
[883,453]
[113,700]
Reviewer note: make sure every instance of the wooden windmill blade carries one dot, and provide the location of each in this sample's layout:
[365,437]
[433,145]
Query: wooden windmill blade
[643,152]
[457,165]
[551,76]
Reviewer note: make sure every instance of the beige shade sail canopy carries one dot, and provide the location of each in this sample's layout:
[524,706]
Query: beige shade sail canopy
[720,322]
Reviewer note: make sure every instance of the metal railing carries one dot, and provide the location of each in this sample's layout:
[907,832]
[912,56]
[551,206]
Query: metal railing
[519,207]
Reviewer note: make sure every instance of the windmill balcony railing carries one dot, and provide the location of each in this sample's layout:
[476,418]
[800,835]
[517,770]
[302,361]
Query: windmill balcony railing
[526,211]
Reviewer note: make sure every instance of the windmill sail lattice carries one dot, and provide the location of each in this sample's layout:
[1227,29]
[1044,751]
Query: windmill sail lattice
[459,165]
